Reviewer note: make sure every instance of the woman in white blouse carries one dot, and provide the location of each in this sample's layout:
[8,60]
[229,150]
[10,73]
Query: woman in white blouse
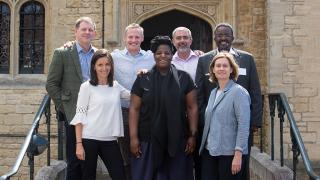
[98,120]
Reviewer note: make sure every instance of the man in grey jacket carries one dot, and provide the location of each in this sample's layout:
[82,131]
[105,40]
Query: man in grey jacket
[69,68]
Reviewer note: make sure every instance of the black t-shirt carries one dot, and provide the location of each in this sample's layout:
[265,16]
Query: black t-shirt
[141,88]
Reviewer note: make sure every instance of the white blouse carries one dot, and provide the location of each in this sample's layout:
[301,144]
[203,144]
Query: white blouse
[99,111]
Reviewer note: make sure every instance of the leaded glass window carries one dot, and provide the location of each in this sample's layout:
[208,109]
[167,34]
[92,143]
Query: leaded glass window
[4,38]
[31,44]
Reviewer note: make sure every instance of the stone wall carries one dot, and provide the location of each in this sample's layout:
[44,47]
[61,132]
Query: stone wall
[63,14]
[293,64]
[18,106]
[251,31]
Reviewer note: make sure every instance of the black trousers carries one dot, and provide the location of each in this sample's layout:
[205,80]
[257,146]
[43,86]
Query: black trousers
[246,174]
[197,157]
[109,152]
[218,167]
[124,142]
[73,163]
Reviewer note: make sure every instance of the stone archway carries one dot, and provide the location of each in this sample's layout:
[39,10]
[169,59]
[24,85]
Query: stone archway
[165,23]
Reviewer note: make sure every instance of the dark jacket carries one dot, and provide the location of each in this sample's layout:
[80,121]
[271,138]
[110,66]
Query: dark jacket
[64,80]
[250,82]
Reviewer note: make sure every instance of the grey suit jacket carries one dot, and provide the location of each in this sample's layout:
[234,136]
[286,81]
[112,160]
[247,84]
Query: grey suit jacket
[64,80]
[250,82]
[227,121]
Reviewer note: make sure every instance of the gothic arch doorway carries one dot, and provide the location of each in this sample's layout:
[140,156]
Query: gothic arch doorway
[165,23]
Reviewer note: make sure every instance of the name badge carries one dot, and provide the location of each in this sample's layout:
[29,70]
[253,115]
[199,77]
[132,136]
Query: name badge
[243,71]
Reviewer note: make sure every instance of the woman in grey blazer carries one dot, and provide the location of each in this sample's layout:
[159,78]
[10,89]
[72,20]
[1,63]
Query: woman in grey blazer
[227,118]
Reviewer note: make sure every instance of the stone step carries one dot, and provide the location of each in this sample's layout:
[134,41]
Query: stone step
[301,171]
[102,172]
[103,177]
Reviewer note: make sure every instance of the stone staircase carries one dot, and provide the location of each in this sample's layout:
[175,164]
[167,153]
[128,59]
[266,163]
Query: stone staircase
[262,168]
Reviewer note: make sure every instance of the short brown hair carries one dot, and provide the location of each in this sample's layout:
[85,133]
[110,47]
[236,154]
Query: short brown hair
[87,20]
[235,68]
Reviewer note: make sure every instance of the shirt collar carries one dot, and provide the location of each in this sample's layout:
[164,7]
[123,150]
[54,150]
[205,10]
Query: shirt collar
[231,51]
[80,49]
[176,57]
[140,53]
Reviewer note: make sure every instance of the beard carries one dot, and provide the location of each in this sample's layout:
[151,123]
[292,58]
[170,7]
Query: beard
[183,49]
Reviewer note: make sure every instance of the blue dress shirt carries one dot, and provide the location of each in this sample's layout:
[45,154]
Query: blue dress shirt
[126,67]
[85,61]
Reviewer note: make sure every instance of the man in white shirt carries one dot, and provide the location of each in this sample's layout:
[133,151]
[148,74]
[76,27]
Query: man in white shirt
[184,59]
[187,60]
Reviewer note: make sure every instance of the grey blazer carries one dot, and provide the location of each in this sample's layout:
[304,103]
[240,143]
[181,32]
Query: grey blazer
[227,121]
[64,80]
[250,82]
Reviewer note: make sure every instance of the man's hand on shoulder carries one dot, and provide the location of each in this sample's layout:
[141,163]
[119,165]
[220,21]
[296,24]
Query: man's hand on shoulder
[198,52]
[142,72]
[68,44]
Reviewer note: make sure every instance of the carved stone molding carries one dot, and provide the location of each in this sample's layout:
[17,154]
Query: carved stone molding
[144,8]
[138,8]
[212,10]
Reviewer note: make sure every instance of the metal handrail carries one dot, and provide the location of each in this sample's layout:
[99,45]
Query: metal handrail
[44,104]
[280,101]
[296,133]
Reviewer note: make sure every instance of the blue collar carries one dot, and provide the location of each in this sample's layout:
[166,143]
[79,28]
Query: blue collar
[80,49]
[228,86]
[140,53]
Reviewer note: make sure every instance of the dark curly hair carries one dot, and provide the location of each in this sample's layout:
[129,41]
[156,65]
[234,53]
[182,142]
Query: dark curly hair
[159,40]
[97,55]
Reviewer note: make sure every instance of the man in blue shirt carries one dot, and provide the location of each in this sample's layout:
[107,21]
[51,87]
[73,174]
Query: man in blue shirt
[132,58]
[127,63]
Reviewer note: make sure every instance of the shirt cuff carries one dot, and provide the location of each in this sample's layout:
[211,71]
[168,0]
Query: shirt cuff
[238,149]
[79,118]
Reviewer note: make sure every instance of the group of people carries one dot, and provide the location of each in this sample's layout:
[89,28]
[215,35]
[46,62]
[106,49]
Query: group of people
[156,114]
